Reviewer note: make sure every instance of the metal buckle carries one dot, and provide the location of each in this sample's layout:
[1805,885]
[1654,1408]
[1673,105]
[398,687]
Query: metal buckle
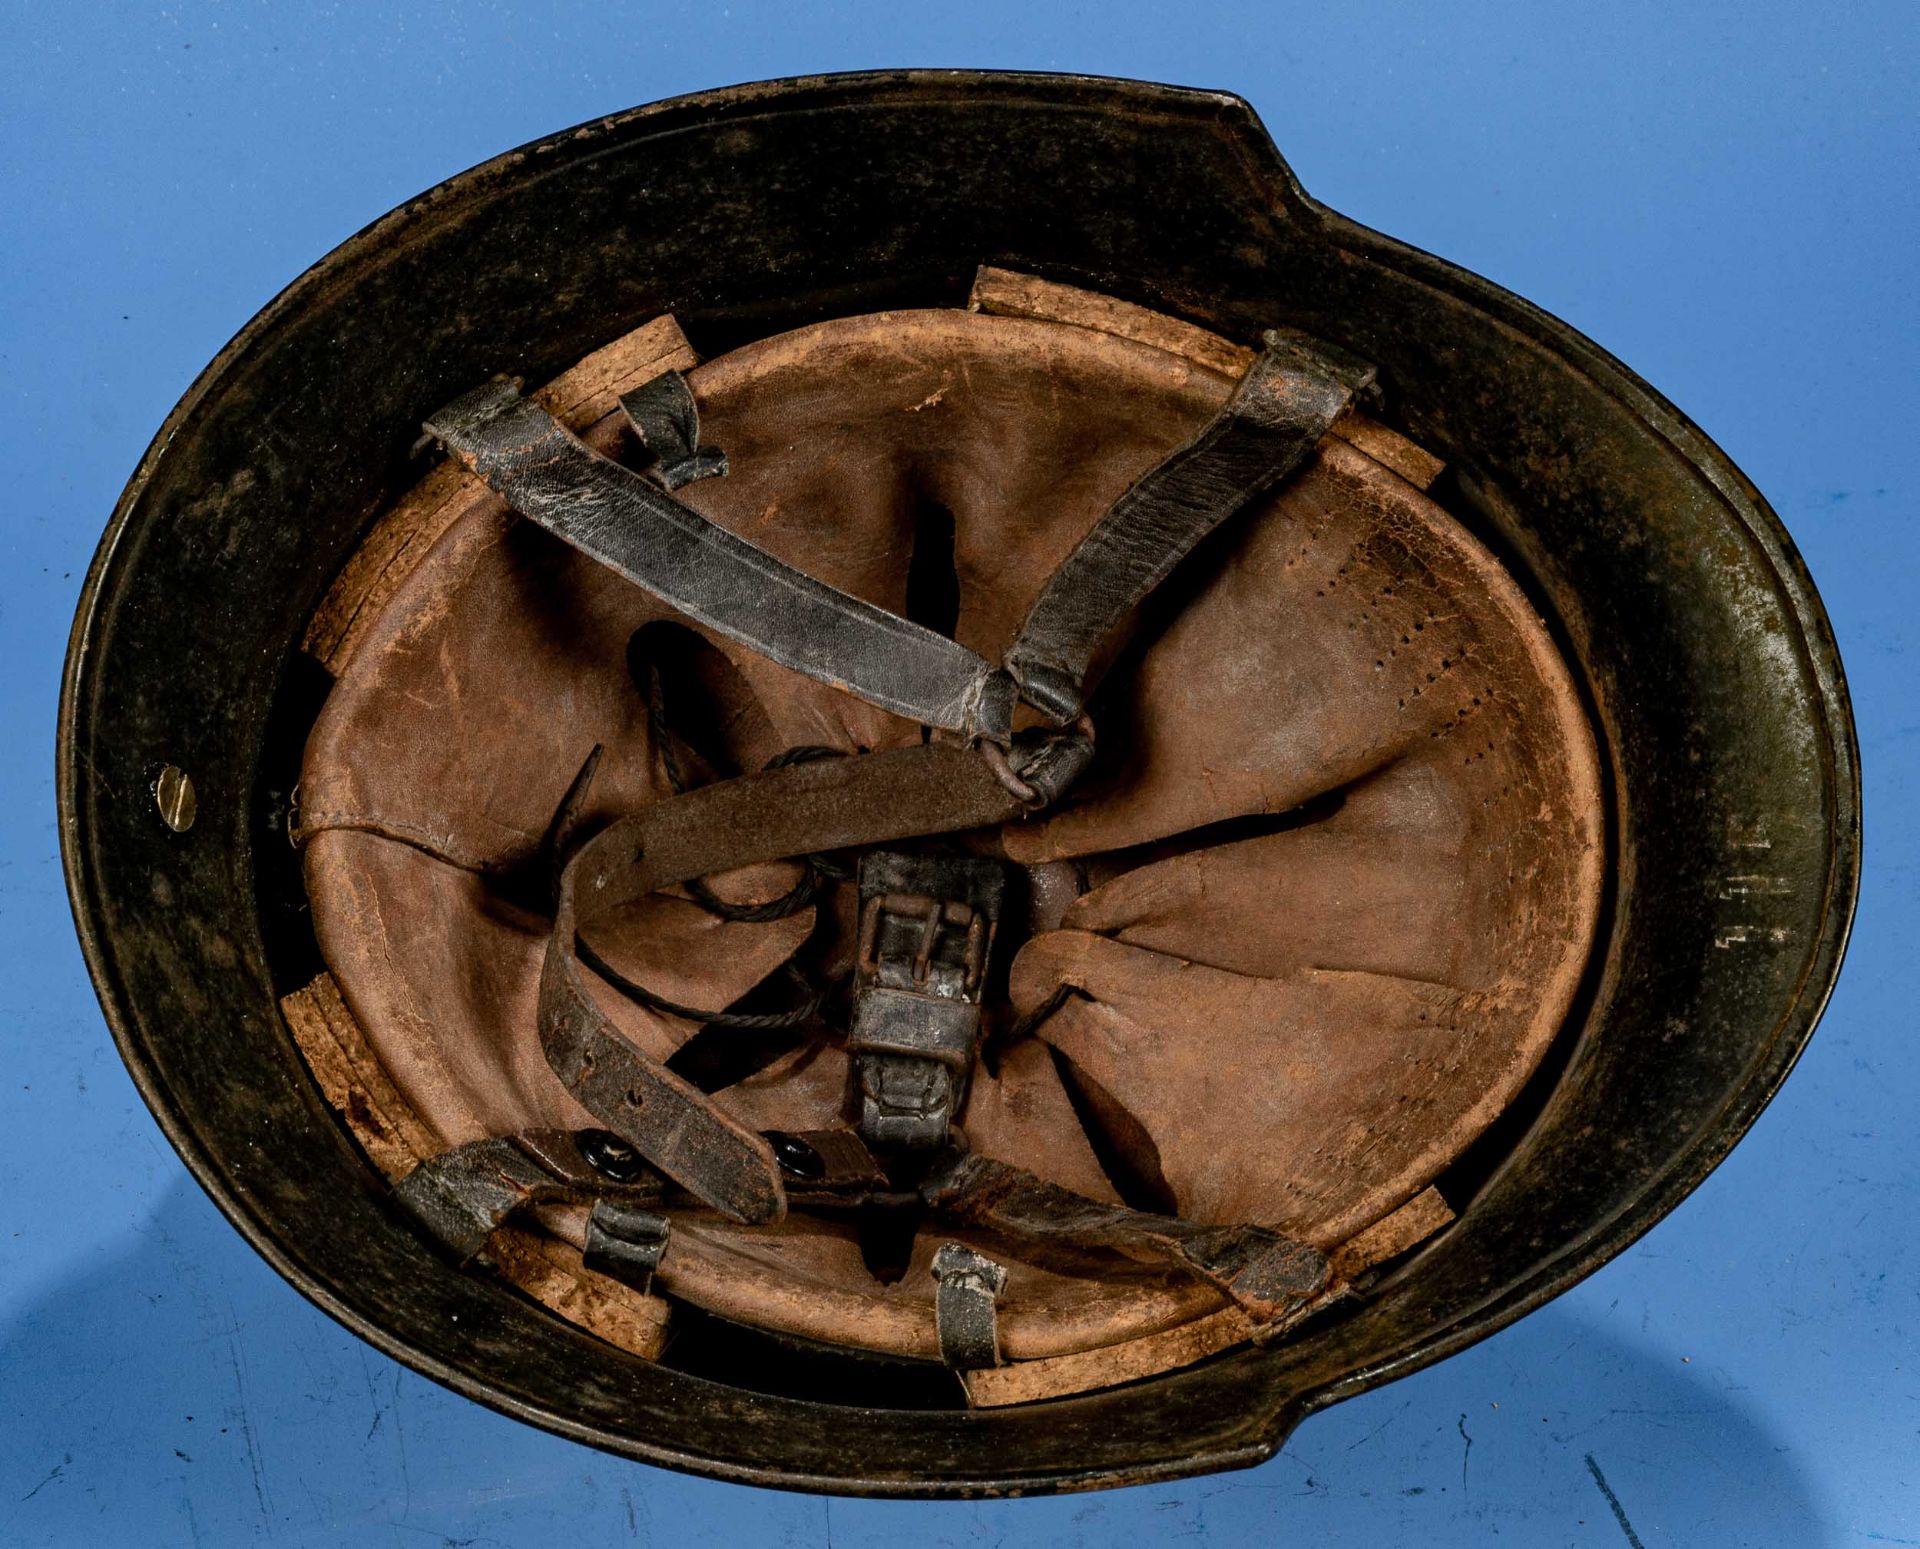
[926,927]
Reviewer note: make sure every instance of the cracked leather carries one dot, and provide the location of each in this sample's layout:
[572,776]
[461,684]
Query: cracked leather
[464,1195]
[1266,1273]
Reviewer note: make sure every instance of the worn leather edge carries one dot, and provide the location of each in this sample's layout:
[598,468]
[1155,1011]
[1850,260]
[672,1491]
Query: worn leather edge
[579,397]
[1008,293]
[395,1141]
[1027,1382]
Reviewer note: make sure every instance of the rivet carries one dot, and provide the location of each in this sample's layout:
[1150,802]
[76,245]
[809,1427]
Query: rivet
[611,1157]
[795,1155]
[173,795]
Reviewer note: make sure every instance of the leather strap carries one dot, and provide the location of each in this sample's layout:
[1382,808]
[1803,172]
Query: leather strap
[795,810]
[636,529]
[667,421]
[1284,404]
[462,1195]
[966,1306]
[1288,398]
[1266,1274]
[626,1242]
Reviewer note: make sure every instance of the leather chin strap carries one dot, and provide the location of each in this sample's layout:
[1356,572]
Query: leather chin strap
[831,805]
[630,522]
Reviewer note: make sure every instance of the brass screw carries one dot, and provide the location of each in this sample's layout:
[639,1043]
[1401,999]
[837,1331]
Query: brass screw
[173,795]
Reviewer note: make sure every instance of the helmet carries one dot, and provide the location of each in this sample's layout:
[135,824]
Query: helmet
[907,783]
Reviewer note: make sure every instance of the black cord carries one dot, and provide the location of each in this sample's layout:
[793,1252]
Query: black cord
[817,871]
[797,1015]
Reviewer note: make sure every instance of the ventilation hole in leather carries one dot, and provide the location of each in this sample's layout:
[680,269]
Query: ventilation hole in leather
[1120,1142]
[886,1239]
[933,583]
[701,696]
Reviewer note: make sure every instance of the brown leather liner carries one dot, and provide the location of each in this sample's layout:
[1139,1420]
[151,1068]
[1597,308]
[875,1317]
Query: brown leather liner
[1454,880]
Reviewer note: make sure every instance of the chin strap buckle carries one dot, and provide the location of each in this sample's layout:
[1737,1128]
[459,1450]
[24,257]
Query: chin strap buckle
[926,926]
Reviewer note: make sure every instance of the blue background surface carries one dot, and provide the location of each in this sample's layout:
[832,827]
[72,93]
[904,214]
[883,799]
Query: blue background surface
[1725,196]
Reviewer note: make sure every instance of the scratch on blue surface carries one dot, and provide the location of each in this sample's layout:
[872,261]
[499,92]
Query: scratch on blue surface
[1383,1425]
[246,1424]
[639,1519]
[400,1443]
[1619,1511]
[58,1469]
